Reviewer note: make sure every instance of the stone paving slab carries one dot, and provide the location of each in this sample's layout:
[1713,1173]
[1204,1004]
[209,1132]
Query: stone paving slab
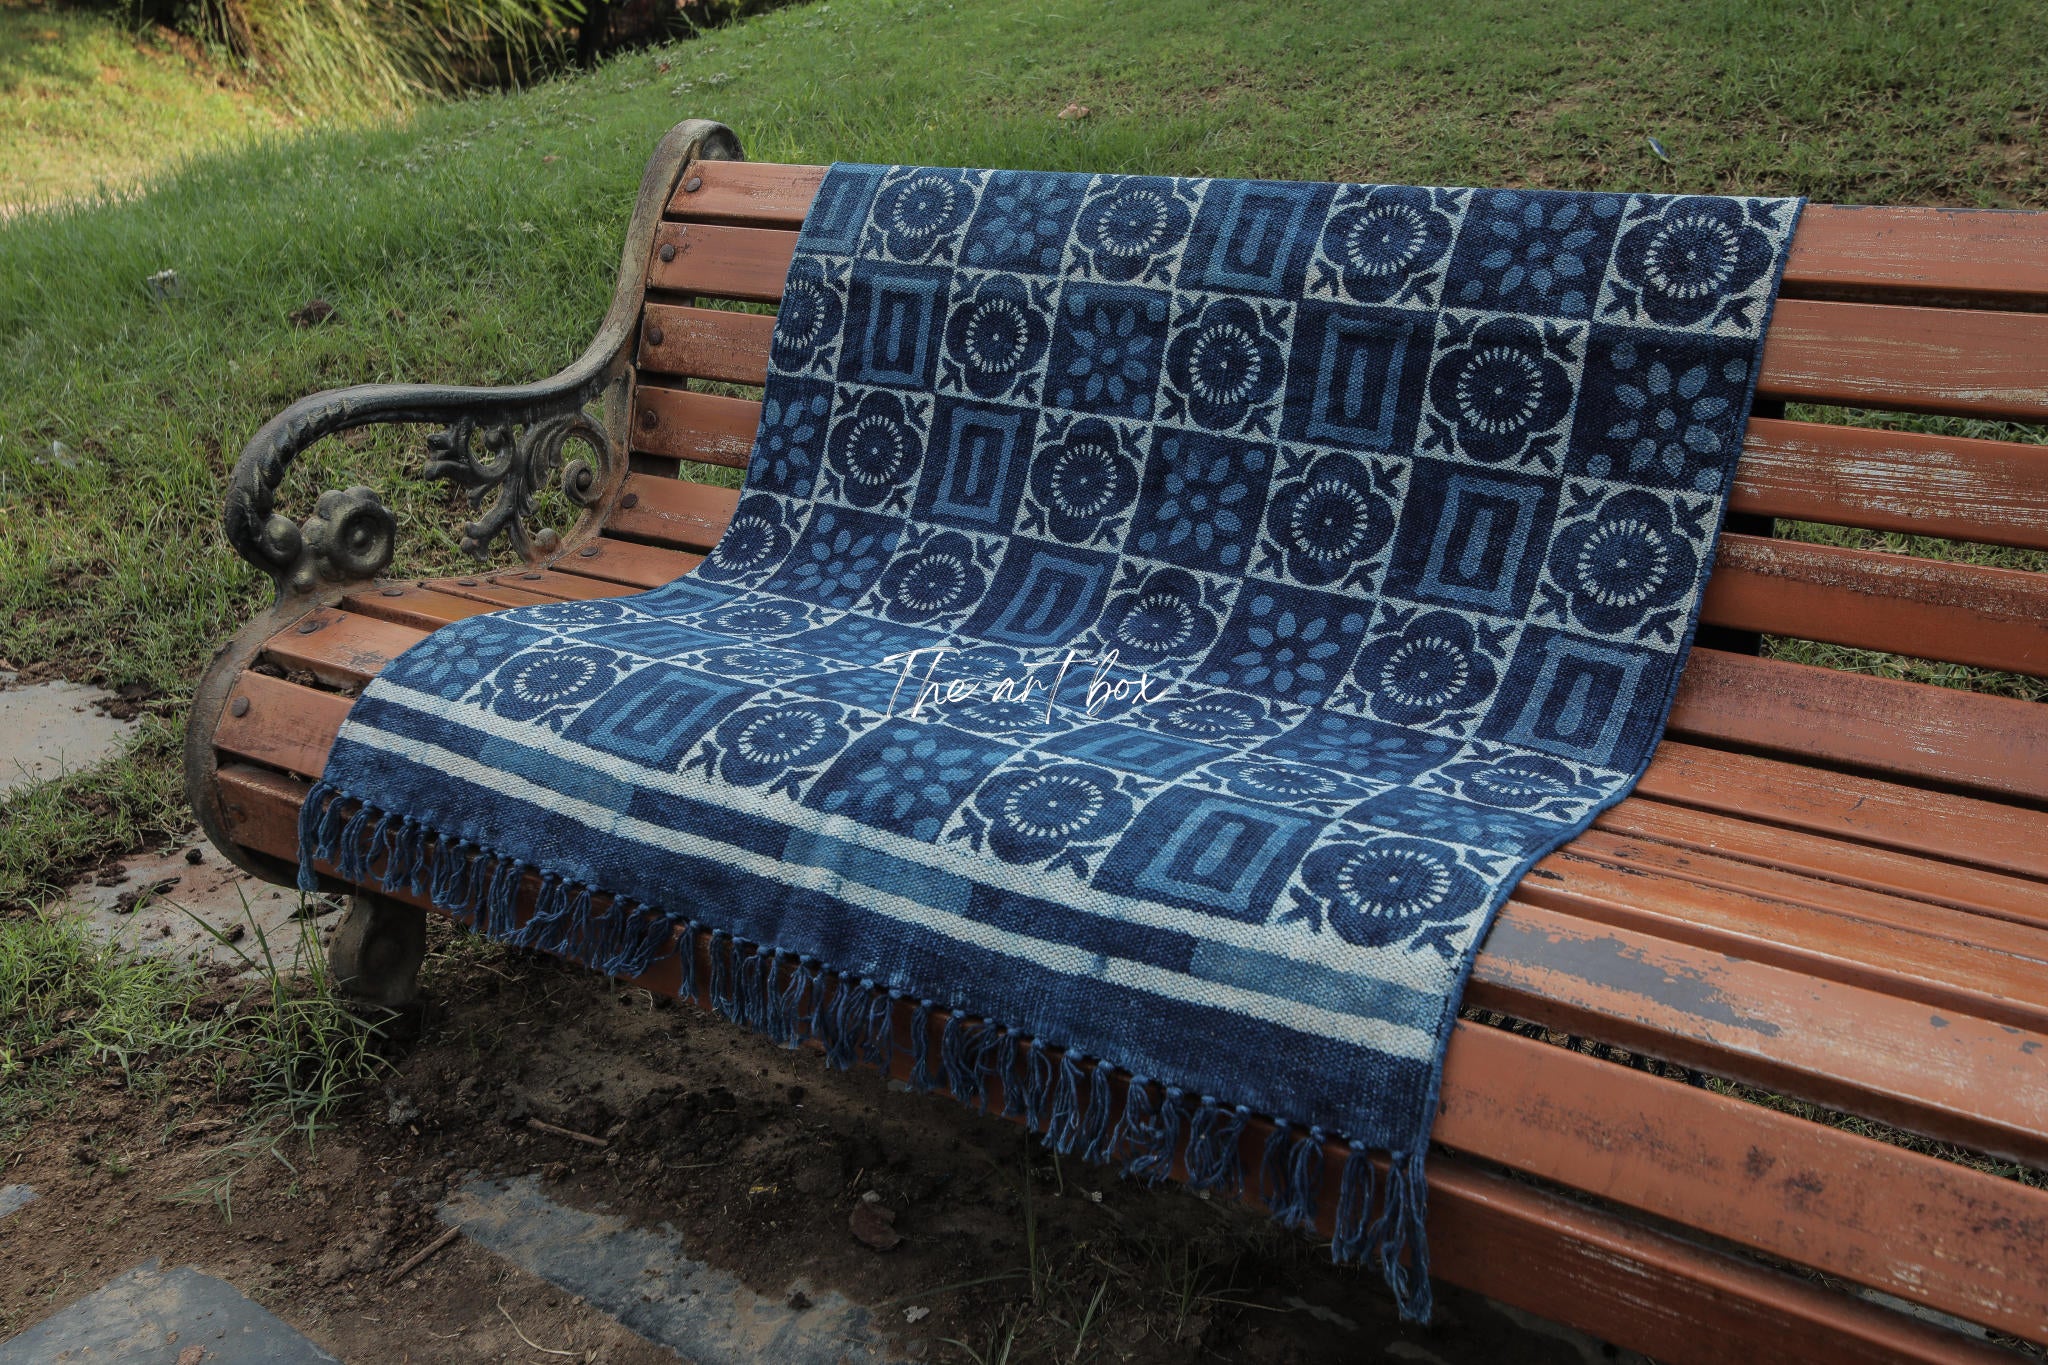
[152,1316]
[648,1282]
[163,902]
[48,729]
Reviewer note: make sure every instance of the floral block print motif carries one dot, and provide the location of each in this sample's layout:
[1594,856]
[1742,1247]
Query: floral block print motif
[1163,620]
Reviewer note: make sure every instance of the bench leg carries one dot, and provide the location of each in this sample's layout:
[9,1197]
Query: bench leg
[377,949]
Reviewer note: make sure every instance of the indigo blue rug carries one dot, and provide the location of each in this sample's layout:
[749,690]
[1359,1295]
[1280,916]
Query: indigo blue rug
[1163,620]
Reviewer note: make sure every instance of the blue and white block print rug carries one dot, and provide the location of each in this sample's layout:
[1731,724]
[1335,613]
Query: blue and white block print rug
[1163,620]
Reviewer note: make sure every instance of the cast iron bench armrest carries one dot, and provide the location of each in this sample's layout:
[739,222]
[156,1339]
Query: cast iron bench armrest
[350,535]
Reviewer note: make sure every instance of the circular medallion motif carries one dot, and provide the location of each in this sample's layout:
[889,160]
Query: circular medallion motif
[1381,892]
[1432,667]
[1034,814]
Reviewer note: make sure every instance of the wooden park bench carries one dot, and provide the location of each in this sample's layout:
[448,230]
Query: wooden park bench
[1831,887]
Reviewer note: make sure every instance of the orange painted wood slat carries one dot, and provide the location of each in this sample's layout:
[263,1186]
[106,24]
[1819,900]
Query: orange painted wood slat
[1967,362]
[1943,1235]
[1968,740]
[409,604]
[1939,971]
[1949,1076]
[685,425]
[490,592]
[340,648]
[755,193]
[1632,1285]
[622,561]
[705,343]
[283,725]
[1926,1230]
[721,262]
[1910,482]
[1871,599]
[1990,256]
[1918,875]
[673,512]
[555,586]
[1890,815]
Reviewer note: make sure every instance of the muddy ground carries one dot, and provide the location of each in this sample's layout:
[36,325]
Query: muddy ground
[763,1161]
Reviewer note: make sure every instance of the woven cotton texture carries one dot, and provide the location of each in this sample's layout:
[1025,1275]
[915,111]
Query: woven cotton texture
[1163,620]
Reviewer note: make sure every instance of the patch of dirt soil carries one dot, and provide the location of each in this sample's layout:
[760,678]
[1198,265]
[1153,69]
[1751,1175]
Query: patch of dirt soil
[759,1157]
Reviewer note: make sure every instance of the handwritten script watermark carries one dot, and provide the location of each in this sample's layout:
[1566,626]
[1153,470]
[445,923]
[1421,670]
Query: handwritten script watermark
[935,693]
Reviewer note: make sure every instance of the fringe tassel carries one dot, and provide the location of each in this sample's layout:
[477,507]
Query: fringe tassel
[747,968]
[1039,1077]
[688,947]
[959,1067]
[312,847]
[815,1024]
[548,909]
[921,1079]
[723,995]
[1214,1134]
[793,1002]
[1098,1136]
[1005,1067]
[1140,1134]
[881,1045]
[503,906]
[1398,1233]
[844,1049]
[1354,1199]
[1063,1125]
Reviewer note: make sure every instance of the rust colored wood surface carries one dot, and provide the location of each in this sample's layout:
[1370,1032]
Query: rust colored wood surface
[1953,1077]
[681,424]
[340,648]
[720,262]
[1987,257]
[624,562]
[1870,599]
[1910,482]
[1961,361]
[1935,1233]
[1970,740]
[673,512]
[1919,875]
[1913,820]
[282,725]
[410,604]
[705,343]
[1839,251]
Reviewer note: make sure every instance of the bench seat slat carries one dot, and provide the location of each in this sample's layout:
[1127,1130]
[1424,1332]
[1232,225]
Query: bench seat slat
[1950,1077]
[1916,875]
[1960,361]
[631,565]
[1937,735]
[1983,256]
[1872,599]
[706,343]
[1926,1230]
[674,512]
[1910,482]
[1850,809]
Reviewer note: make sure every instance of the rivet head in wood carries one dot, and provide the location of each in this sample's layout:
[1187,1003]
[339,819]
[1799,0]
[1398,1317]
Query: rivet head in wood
[587,551]
[654,335]
[630,500]
[648,419]
[668,251]
[531,577]
[394,592]
[466,582]
[240,706]
[693,184]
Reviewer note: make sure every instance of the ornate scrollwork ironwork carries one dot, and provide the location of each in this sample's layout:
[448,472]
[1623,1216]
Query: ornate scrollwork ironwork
[518,464]
[523,430]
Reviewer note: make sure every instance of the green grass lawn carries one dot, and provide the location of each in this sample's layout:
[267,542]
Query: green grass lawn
[477,242]
[88,104]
